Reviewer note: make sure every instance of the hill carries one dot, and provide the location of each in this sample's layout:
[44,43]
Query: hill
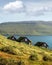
[27,28]
[15,53]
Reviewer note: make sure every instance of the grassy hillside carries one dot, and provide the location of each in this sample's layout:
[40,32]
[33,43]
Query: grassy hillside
[14,53]
[27,28]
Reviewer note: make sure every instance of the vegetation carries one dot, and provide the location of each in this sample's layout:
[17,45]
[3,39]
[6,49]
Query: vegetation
[31,28]
[16,53]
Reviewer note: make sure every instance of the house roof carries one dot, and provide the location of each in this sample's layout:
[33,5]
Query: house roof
[12,38]
[21,38]
[44,44]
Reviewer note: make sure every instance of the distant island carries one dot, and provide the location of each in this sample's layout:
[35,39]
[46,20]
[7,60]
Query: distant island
[27,28]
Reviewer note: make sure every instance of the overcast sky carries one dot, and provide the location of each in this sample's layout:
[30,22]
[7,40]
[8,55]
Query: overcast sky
[25,10]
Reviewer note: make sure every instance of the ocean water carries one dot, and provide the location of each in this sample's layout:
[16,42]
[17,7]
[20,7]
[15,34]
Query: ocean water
[34,39]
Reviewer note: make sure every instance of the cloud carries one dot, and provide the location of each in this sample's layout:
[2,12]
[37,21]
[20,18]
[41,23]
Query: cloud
[39,8]
[31,8]
[14,6]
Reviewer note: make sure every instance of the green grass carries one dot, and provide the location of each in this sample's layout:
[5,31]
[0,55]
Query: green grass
[36,28]
[15,53]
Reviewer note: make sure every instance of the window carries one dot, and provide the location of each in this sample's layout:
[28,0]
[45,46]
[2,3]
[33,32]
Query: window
[44,44]
[25,39]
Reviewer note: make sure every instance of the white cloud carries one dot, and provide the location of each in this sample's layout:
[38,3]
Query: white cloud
[13,6]
[38,8]
[30,8]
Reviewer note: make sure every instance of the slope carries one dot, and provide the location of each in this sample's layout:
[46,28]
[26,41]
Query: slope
[15,53]
[27,28]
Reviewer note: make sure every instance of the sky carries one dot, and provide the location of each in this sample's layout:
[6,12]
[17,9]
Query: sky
[25,10]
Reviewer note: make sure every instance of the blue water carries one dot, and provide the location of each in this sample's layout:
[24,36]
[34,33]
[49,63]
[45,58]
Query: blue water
[34,39]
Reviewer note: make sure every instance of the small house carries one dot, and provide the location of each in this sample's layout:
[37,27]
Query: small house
[24,39]
[12,38]
[41,44]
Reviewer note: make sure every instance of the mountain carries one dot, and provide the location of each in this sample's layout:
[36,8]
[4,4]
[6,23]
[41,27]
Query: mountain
[15,53]
[27,28]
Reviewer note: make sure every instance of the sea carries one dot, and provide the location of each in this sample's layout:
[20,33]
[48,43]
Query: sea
[36,38]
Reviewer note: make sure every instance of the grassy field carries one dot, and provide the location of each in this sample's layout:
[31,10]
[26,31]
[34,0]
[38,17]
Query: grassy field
[32,28]
[15,53]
